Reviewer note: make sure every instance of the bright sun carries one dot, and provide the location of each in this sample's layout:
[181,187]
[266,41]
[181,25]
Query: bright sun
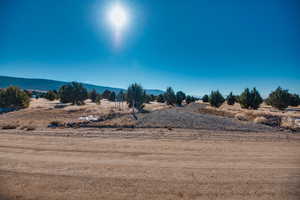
[118,17]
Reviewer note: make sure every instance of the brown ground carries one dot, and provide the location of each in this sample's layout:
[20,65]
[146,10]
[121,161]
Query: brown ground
[148,164]
[42,112]
[264,110]
[179,153]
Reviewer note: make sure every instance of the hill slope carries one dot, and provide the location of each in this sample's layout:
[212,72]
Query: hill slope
[45,85]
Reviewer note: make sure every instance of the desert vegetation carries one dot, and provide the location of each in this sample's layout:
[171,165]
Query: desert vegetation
[231,99]
[13,98]
[93,95]
[135,100]
[180,97]
[136,96]
[250,99]
[216,99]
[281,99]
[73,93]
[51,95]
[132,126]
[205,98]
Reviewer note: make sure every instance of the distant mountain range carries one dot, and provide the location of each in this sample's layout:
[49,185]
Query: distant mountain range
[45,85]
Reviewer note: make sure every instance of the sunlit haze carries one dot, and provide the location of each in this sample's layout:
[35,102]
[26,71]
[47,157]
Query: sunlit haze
[118,20]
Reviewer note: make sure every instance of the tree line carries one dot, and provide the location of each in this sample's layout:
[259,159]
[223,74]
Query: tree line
[136,96]
[251,99]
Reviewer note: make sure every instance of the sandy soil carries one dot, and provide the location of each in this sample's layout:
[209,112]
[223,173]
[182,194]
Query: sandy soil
[126,164]
[263,110]
[42,112]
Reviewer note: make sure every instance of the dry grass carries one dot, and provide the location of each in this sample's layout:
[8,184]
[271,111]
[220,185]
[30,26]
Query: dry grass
[260,120]
[263,110]
[28,127]
[42,112]
[286,118]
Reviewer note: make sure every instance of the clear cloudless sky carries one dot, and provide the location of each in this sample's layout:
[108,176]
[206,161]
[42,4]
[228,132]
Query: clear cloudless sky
[193,45]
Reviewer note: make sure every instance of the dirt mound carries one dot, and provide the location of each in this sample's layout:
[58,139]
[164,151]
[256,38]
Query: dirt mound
[190,117]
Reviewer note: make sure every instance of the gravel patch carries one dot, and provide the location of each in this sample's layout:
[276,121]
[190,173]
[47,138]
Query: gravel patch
[187,117]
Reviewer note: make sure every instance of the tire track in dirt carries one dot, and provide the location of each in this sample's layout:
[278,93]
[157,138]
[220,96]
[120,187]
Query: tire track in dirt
[42,167]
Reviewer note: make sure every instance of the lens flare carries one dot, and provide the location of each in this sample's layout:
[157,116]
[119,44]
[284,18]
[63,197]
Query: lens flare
[118,20]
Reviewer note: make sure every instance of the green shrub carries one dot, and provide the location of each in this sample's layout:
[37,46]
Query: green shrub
[160,98]
[256,99]
[152,97]
[112,96]
[135,96]
[245,99]
[180,96]
[216,99]
[205,98]
[147,98]
[237,98]
[93,95]
[250,99]
[50,95]
[189,99]
[294,100]
[279,99]
[73,93]
[98,99]
[106,94]
[29,93]
[13,97]
[230,99]
[170,96]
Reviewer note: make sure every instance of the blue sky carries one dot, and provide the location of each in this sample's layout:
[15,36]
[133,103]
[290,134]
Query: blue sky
[195,45]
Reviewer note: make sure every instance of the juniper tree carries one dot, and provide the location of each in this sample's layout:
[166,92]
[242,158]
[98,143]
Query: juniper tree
[73,93]
[294,100]
[98,99]
[106,94]
[279,98]
[170,96]
[93,95]
[250,99]
[112,96]
[50,95]
[216,99]
[180,96]
[205,98]
[160,98]
[256,99]
[135,96]
[189,99]
[245,99]
[14,97]
[230,99]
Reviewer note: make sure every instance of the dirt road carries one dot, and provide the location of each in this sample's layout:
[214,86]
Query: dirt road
[218,167]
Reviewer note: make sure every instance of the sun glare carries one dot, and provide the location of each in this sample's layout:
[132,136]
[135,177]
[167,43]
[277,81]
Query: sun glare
[118,19]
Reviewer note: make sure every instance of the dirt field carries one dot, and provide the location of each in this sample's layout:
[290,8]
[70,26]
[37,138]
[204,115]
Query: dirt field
[42,112]
[189,152]
[148,164]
